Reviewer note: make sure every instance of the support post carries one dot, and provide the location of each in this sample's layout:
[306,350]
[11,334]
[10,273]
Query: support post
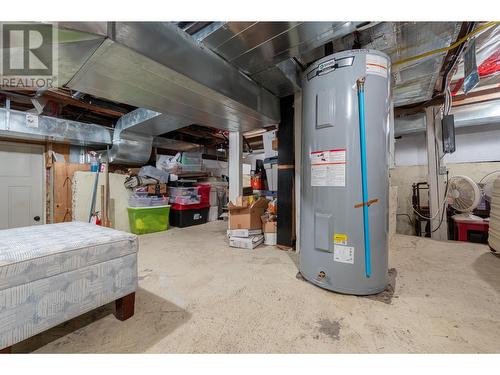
[297,129]
[235,165]
[286,174]
[436,174]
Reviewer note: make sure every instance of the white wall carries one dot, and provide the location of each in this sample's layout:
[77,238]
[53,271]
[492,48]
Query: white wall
[253,157]
[477,153]
[473,144]
[404,176]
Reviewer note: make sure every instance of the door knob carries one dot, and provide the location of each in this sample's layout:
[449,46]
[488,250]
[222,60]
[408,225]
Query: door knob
[36,218]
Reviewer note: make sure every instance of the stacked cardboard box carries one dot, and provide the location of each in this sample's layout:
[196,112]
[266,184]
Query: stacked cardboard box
[245,226]
[269,224]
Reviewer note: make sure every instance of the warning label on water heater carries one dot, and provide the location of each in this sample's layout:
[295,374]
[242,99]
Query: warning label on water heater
[328,167]
[343,254]
[376,65]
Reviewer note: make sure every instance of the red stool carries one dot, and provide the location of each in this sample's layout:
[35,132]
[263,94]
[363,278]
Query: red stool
[463,226]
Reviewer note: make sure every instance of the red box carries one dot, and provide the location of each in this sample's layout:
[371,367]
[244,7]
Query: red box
[183,207]
[204,191]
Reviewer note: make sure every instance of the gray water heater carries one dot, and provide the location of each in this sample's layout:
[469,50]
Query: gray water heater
[345,172]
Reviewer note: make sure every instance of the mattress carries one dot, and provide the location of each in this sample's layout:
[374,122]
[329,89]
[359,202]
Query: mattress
[32,253]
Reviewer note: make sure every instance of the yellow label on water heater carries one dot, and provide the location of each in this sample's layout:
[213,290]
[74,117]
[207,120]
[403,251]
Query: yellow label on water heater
[340,239]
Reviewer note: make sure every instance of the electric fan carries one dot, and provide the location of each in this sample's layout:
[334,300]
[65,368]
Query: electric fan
[464,196]
[486,185]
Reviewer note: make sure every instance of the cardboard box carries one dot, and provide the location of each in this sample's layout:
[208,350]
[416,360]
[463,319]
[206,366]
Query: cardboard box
[246,216]
[246,243]
[270,227]
[267,139]
[275,144]
[133,171]
[245,233]
[157,189]
[271,176]
[242,201]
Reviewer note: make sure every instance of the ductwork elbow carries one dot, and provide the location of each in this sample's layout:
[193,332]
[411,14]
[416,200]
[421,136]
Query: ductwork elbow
[130,147]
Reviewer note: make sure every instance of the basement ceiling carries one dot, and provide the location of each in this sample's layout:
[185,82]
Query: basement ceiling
[230,75]
[257,48]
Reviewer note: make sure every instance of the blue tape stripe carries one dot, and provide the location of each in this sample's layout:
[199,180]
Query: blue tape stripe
[364,178]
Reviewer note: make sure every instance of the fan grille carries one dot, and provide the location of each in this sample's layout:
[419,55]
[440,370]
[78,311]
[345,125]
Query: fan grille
[463,193]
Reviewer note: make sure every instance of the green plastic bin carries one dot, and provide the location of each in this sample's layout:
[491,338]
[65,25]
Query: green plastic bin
[148,219]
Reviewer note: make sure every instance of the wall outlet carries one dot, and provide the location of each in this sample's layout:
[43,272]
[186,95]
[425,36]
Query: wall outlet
[443,169]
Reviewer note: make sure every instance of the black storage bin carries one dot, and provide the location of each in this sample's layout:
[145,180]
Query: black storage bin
[186,218]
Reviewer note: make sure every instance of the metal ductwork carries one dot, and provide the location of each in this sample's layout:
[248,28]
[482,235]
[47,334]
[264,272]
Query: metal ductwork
[156,65]
[466,115]
[26,126]
[130,147]
[133,135]
[129,141]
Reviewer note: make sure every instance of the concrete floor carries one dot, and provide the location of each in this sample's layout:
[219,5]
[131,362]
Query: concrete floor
[196,294]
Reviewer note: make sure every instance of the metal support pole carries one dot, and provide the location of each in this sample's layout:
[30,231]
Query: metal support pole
[286,174]
[436,174]
[235,165]
[297,130]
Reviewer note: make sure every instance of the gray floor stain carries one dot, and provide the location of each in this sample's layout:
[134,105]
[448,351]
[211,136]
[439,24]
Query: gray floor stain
[271,261]
[330,328]
[387,295]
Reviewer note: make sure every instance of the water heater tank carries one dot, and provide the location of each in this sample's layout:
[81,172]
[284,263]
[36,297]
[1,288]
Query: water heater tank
[345,172]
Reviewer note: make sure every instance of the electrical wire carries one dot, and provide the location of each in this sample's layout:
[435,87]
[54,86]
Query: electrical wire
[447,100]
[422,216]
[444,205]
[408,216]
[439,208]
[446,49]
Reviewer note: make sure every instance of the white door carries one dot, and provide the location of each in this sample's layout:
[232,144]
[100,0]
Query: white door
[21,185]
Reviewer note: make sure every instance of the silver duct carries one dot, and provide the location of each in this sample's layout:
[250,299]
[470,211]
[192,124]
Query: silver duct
[129,140]
[467,115]
[26,126]
[133,136]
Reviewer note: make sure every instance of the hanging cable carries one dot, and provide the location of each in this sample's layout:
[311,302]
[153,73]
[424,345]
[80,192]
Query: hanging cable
[440,209]
[446,49]
[444,205]
[408,216]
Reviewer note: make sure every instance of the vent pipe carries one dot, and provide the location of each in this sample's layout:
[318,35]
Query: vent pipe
[133,136]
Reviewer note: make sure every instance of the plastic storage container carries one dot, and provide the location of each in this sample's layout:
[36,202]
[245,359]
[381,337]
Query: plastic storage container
[143,200]
[186,216]
[139,201]
[186,199]
[194,158]
[182,191]
[159,201]
[148,219]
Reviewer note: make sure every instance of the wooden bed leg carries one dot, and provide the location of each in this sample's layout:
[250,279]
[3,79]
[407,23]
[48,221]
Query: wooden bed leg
[124,307]
[7,350]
